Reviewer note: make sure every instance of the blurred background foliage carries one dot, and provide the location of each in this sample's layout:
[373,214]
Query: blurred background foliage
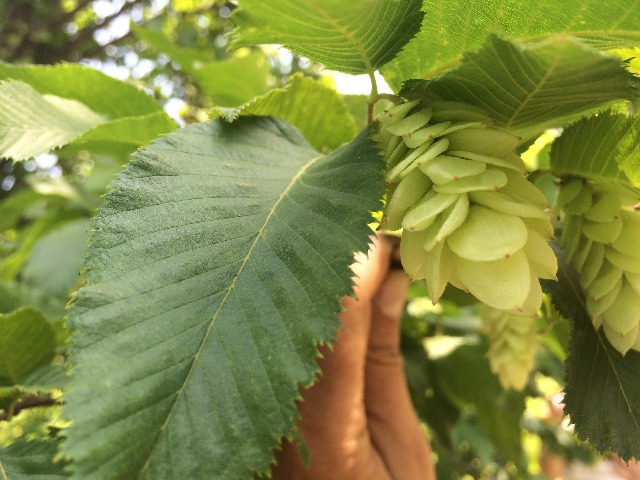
[176,51]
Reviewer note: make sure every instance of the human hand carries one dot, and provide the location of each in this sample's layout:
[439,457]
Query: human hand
[358,420]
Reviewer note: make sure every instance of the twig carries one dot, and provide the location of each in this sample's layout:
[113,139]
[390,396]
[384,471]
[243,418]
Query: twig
[29,401]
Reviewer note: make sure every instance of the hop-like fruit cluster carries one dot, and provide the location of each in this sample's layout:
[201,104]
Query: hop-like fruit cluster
[513,340]
[601,237]
[469,216]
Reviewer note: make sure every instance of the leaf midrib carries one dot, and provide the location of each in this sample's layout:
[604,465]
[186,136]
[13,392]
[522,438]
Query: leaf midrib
[230,289]
[349,36]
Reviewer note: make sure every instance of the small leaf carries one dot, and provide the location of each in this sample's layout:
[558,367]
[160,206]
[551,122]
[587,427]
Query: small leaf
[134,131]
[31,460]
[316,109]
[600,148]
[357,36]
[215,268]
[31,123]
[451,28]
[26,342]
[527,88]
[602,396]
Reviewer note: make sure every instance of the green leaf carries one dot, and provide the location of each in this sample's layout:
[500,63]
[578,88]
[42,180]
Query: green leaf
[602,396]
[134,131]
[31,460]
[597,147]
[451,28]
[98,91]
[26,342]
[357,36]
[465,375]
[215,267]
[316,109]
[216,78]
[527,88]
[129,115]
[14,207]
[11,265]
[31,124]
[55,261]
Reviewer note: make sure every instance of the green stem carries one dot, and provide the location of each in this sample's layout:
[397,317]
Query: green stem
[373,97]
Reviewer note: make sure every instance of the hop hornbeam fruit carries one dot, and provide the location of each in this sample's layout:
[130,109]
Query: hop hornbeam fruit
[601,237]
[469,216]
[513,340]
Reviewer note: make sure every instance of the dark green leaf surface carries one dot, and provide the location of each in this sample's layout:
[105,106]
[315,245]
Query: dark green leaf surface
[597,147]
[317,110]
[26,343]
[602,396]
[527,88]
[451,28]
[32,460]
[357,36]
[215,267]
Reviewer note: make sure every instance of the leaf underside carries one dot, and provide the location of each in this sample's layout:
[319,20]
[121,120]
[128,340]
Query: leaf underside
[527,88]
[215,267]
[354,37]
[601,148]
[602,395]
[451,28]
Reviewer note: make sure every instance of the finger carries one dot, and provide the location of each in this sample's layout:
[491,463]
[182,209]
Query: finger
[340,387]
[369,272]
[393,425]
[332,416]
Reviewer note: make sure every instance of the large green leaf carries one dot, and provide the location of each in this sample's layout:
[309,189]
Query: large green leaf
[599,148]
[31,123]
[215,267]
[451,28]
[216,78]
[26,343]
[357,36]
[31,460]
[602,396]
[527,88]
[317,110]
